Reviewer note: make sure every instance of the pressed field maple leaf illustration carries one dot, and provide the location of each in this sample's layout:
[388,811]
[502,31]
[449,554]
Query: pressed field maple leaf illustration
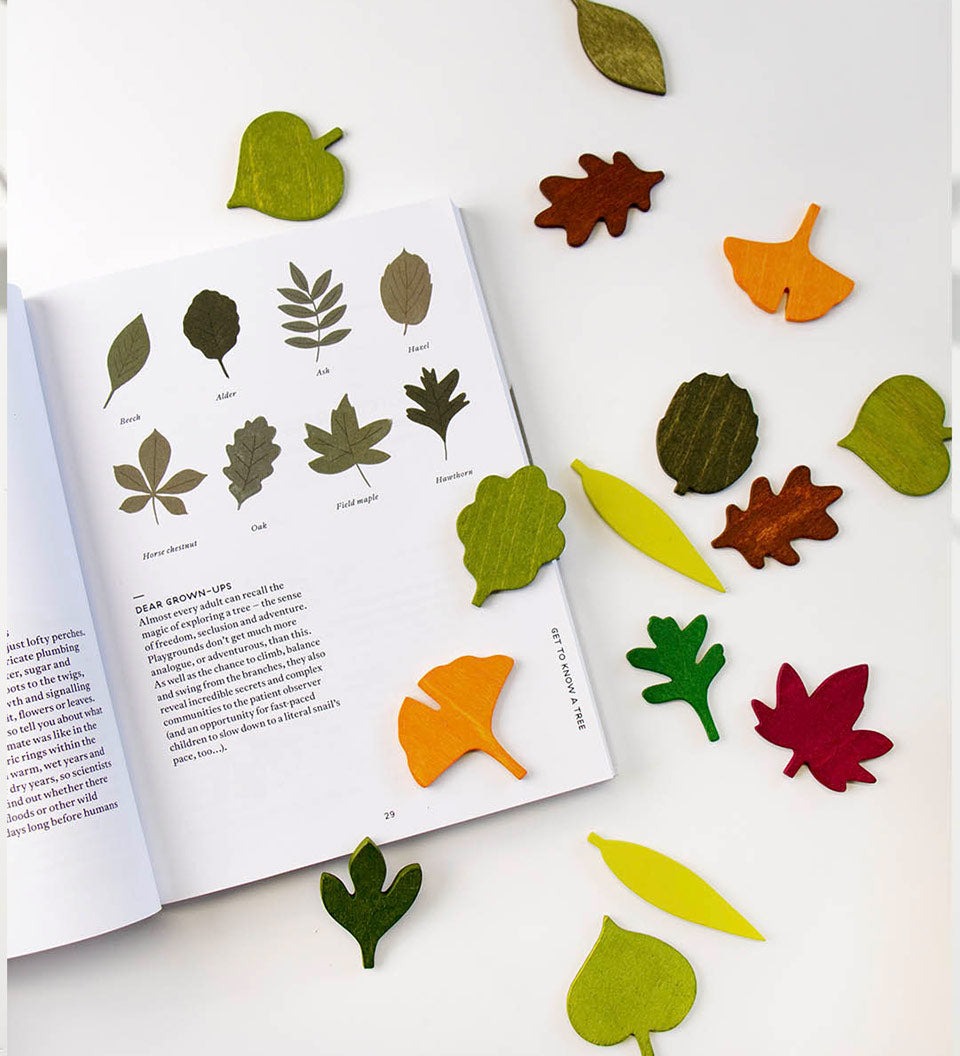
[347,444]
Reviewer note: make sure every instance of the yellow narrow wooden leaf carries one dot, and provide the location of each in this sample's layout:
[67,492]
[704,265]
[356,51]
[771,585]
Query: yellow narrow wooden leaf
[672,887]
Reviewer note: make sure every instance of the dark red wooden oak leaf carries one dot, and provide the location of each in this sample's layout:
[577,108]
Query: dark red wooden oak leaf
[606,193]
[819,727]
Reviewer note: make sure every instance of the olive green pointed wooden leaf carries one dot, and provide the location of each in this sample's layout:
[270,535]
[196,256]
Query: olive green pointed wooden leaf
[900,434]
[620,46]
[127,354]
[284,172]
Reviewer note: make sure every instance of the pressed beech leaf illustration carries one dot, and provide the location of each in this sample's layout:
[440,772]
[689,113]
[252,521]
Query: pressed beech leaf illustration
[405,289]
[675,655]
[819,727]
[127,354]
[251,455]
[154,458]
[620,46]
[769,524]
[466,692]
[370,912]
[606,193]
[347,444]
[212,325]
[437,404]
[311,310]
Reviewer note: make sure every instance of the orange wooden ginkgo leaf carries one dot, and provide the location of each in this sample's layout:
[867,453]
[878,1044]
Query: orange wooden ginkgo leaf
[767,270]
[466,691]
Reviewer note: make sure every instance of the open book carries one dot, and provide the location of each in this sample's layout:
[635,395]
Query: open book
[232,554]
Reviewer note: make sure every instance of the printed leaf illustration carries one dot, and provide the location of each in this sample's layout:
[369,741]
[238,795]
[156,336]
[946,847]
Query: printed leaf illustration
[127,354]
[405,289]
[509,530]
[154,458]
[284,172]
[672,887]
[347,444]
[466,691]
[621,47]
[675,655]
[630,984]
[251,455]
[819,727]
[306,303]
[706,439]
[769,524]
[437,404]
[768,270]
[606,193]
[212,325]
[644,525]
[900,434]
[369,912]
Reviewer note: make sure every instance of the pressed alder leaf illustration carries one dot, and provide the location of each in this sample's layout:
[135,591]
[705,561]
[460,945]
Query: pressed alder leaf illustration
[606,193]
[251,455]
[154,458]
[819,727]
[670,886]
[284,172]
[630,983]
[466,692]
[768,270]
[437,404]
[620,46]
[769,524]
[405,289]
[212,325]
[127,354]
[370,912]
[347,444]
[314,309]
[675,655]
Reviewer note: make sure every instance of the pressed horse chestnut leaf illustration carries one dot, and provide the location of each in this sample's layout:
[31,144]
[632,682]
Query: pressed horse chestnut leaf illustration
[154,458]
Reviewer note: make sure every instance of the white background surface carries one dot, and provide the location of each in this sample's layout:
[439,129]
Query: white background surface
[123,134]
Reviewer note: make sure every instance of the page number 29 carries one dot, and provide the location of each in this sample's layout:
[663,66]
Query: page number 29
[388,815]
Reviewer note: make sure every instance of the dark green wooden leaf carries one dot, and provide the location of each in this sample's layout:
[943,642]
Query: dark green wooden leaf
[127,354]
[251,455]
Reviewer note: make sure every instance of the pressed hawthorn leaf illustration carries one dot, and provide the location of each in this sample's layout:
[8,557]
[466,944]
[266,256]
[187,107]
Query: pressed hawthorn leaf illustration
[347,444]
[620,46]
[312,311]
[127,354]
[405,289]
[369,912]
[437,404]
[251,455]
[212,325]
[154,458]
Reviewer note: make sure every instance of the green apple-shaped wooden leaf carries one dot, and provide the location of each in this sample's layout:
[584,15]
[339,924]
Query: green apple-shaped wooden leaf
[900,434]
[284,172]
[630,984]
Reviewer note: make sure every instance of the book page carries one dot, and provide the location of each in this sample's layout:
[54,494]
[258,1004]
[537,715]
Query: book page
[265,627]
[77,864]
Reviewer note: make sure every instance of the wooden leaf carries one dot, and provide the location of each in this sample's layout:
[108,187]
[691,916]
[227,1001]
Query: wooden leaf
[251,455]
[127,354]
[466,691]
[620,46]
[405,289]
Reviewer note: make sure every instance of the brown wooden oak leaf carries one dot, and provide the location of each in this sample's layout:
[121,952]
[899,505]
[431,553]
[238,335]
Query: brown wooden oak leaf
[606,193]
[770,522]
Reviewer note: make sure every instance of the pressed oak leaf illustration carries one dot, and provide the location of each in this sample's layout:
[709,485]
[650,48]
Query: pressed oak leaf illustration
[437,404]
[347,444]
[819,727]
[154,458]
[251,455]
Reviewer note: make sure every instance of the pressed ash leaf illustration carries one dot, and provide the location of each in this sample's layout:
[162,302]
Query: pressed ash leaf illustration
[437,404]
[212,325]
[347,444]
[251,455]
[127,354]
[405,289]
[313,309]
[154,458]
[621,47]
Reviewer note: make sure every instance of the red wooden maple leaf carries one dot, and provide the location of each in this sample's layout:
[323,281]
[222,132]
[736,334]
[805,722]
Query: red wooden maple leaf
[819,727]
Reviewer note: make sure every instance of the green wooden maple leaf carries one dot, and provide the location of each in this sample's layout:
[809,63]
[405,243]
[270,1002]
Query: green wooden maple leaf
[436,406]
[347,444]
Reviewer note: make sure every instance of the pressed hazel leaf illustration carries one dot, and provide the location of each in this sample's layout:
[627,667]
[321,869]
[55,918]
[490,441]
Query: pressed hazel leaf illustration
[405,289]
[127,354]
[630,984]
[212,325]
[347,445]
[370,912]
[251,455]
[675,655]
[154,458]
[313,311]
[620,46]
[510,529]
[437,404]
